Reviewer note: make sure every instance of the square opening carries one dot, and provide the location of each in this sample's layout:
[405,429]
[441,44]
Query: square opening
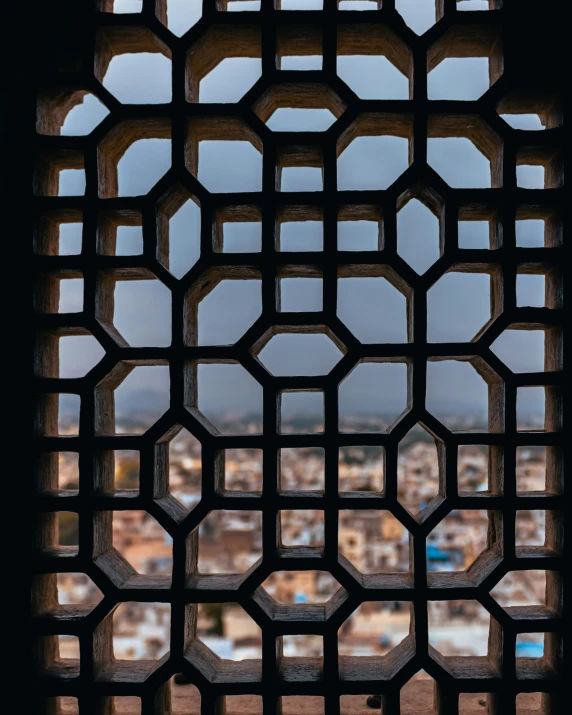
[301,236]
[360,468]
[68,471]
[302,469]
[530,409]
[243,470]
[530,527]
[301,178]
[301,295]
[301,412]
[302,527]
[531,469]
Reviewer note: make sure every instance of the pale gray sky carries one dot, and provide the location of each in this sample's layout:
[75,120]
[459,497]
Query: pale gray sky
[458,304]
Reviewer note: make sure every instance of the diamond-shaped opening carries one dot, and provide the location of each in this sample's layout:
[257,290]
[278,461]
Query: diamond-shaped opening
[302,468]
[374,628]
[458,306]
[418,235]
[228,631]
[530,527]
[77,113]
[473,467]
[227,311]
[181,15]
[458,539]
[374,541]
[243,469]
[530,290]
[230,542]
[139,78]
[373,159]
[372,396]
[531,409]
[531,465]
[300,354]
[142,312]
[185,468]
[77,589]
[143,542]
[418,240]
[301,587]
[419,15]
[301,527]
[224,63]
[417,469]
[78,354]
[140,395]
[458,628]
[141,631]
[230,398]
[126,470]
[68,471]
[373,309]
[521,588]
[474,234]
[520,350]
[457,395]
[67,528]
[459,78]
[239,229]
[68,414]
[300,295]
[300,229]
[179,227]
[361,468]
[301,412]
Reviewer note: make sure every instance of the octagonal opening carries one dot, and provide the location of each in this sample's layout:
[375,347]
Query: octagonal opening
[139,78]
[182,15]
[521,588]
[458,307]
[143,542]
[227,311]
[457,540]
[230,80]
[78,354]
[457,395]
[142,312]
[459,162]
[372,162]
[141,631]
[372,76]
[374,628]
[458,627]
[141,166]
[228,631]
[459,78]
[141,398]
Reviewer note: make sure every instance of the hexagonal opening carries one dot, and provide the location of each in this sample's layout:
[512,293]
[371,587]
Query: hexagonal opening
[141,631]
[298,588]
[300,354]
[142,311]
[143,542]
[228,631]
[300,119]
[521,588]
[301,107]
[230,542]
[373,541]
[179,229]
[77,589]
[373,152]
[228,397]
[78,354]
[417,469]
[374,628]
[185,468]
[361,468]
[458,628]
[458,396]
[457,540]
[373,308]
[458,307]
[418,235]
[302,468]
[301,527]
[369,386]
[520,350]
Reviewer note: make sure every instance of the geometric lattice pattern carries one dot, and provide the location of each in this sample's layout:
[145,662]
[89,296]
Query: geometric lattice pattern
[185,121]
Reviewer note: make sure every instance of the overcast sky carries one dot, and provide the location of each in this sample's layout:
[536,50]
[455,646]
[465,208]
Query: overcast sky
[458,304]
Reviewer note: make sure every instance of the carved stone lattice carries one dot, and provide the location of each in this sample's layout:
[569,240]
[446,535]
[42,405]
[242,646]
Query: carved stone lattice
[272,34]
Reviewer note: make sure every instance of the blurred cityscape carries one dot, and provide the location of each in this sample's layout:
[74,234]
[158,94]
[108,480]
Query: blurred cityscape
[370,541]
